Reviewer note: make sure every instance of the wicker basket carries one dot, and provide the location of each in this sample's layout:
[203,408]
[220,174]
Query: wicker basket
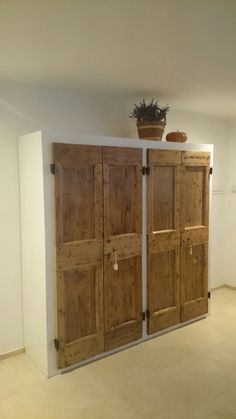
[152,130]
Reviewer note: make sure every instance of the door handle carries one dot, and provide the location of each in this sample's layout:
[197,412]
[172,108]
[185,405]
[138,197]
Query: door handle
[190,246]
[115,266]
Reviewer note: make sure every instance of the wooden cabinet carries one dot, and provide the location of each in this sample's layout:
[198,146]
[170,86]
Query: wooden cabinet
[99,242]
[163,218]
[98,239]
[178,209]
[122,169]
[79,245]
[122,251]
[195,234]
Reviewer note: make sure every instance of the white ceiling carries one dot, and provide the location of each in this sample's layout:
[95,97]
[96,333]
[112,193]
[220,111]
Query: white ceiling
[183,51]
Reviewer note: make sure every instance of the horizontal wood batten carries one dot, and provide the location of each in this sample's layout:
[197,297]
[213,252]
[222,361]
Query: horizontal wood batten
[164,157]
[197,159]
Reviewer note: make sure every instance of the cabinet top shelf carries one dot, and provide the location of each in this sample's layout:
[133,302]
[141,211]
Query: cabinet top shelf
[50,137]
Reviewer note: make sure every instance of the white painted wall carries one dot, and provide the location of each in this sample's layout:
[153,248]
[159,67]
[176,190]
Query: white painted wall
[33,247]
[11,326]
[230,227]
[26,108]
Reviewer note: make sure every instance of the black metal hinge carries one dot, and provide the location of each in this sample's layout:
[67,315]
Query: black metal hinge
[145,170]
[53,168]
[56,344]
[145,314]
[209,294]
[211,170]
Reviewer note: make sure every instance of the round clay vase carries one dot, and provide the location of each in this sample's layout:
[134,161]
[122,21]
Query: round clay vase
[150,130]
[177,137]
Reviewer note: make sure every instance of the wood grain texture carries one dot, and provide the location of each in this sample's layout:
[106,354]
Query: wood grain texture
[74,155]
[163,198]
[122,232]
[122,156]
[163,204]
[164,290]
[164,157]
[195,234]
[79,250]
[80,314]
[123,302]
[126,245]
[195,196]
[122,335]
[163,208]
[80,295]
[195,158]
[160,242]
[84,252]
[194,282]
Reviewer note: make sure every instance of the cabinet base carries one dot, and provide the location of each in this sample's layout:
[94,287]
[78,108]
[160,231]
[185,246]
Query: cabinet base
[137,342]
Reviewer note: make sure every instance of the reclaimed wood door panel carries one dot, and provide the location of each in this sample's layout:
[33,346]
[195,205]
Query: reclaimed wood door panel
[122,169]
[163,205]
[163,289]
[80,313]
[194,243]
[79,247]
[194,281]
[123,302]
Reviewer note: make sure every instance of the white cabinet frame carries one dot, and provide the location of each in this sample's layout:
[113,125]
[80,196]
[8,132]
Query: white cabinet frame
[38,239]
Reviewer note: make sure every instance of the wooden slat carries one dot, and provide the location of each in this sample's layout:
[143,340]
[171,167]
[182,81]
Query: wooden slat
[138,193]
[70,256]
[194,309]
[80,351]
[159,242]
[164,157]
[122,156]
[195,235]
[122,335]
[195,158]
[164,319]
[74,154]
[206,192]
[126,246]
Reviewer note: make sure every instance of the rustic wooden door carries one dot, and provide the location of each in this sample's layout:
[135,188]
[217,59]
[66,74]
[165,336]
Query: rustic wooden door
[79,251]
[163,212]
[122,169]
[194,247]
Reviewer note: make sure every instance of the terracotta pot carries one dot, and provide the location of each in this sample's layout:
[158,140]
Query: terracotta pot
[177,136]
[151,130]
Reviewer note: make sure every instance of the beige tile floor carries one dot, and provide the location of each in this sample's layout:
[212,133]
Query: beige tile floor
[186,374]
